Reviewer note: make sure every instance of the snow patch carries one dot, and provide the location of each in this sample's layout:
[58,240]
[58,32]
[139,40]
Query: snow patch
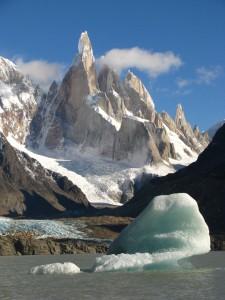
[108,118]
[8,97]
[181,149]
[130,115]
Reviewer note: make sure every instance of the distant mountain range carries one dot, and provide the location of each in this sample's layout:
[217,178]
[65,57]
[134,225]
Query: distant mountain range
[100,131]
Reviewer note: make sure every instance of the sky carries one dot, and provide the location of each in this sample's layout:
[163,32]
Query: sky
[176,47]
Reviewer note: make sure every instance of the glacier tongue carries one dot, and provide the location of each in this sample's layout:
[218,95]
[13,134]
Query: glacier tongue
[170,228]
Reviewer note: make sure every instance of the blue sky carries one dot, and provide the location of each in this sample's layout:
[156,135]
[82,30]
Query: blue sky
[193,31]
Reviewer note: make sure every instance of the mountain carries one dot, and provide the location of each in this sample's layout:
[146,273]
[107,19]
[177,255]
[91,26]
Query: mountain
[100,131]
[212,130]
[27,189]
[18,100]
[203,180]
[112,117]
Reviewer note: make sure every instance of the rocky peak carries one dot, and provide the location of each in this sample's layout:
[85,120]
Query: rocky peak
[181,122]
[85,63]
[9,72]
[180,116]
[133,82]
[18,100]
[196,131]
[168,121]
[108,80]
[85,52]
[138,100]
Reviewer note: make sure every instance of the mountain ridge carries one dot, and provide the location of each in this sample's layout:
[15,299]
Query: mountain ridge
[93,122]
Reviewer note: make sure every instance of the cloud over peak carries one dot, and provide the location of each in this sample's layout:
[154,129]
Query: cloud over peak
[154,63]
[41,71]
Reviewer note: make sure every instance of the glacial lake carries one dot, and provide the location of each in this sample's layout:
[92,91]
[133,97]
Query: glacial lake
[204,280]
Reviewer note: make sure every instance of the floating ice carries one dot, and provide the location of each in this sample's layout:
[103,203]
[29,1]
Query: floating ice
[170,228]
[56,268]
[140,261]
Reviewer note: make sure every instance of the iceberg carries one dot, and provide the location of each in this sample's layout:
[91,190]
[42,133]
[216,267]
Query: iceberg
[56,268]
[169,229]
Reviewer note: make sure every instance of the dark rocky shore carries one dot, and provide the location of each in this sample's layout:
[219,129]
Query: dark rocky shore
[25,244]
[28,244]
[102,232]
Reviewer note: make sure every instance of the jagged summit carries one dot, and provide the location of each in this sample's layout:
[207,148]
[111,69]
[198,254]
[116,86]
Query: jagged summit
[136,89]
[114,118]
[84,44]
[85,52]
[9,72]
[135,83]
[180,117]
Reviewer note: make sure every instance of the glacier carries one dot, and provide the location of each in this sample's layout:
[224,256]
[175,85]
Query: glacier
[43,228]
[169,229]
[102,180]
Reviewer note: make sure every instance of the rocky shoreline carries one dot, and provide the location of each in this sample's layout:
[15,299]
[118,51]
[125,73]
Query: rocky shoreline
[28,244]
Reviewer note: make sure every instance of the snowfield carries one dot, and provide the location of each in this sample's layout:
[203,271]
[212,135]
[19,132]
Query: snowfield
[103,181]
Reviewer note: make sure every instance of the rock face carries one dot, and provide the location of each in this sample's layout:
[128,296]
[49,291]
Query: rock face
[27,189]
[193,138]
[203,180]
[18,101]
[29,245]
[38,121]
[113,118]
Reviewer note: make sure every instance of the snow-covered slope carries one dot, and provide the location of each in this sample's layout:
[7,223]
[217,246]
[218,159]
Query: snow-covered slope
[103,181]
[18,100]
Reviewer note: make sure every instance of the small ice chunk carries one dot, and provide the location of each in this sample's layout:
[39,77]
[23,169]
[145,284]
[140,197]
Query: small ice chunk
[56,268]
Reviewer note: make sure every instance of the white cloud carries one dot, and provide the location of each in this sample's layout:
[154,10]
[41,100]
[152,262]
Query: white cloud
[154,63]
[208,75]
[203,76]
[183,82]
[41,71]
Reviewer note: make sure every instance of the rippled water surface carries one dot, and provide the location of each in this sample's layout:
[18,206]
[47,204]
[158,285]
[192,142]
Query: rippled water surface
[205,280]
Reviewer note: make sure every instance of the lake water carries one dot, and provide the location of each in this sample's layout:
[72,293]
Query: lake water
[205,280]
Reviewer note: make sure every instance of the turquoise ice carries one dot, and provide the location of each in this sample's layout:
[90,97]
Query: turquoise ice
[169,229]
